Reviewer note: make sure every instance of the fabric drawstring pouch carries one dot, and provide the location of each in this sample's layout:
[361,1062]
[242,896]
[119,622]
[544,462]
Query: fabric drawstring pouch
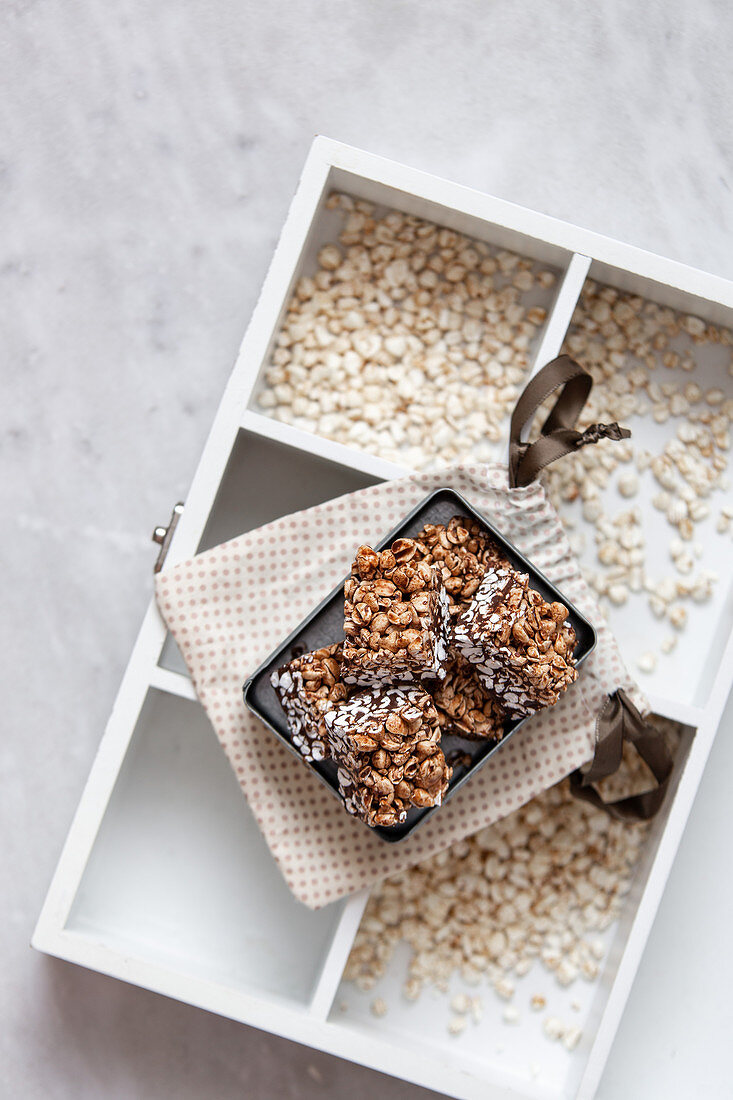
[230,606]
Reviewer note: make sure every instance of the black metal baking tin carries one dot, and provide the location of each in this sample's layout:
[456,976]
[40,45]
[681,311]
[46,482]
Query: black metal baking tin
[325,625]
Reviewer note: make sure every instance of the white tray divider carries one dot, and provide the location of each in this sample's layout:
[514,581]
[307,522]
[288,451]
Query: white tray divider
[457,198]
[676,820]
[559,318]
[175,683]
[291,436]
[291,1020]
[252,354]
[280,1015]
[333,966]
[101,781]
[675,710]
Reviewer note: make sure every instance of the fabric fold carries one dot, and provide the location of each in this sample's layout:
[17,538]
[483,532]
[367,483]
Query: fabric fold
[229,607]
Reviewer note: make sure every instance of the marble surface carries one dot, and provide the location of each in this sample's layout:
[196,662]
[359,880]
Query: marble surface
[148,153]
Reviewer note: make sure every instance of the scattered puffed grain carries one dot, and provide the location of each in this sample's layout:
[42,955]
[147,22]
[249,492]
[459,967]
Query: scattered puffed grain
[504,987]
[571,1038]
[684,563]
[459,900]
[566,972]
[622,355]
[329,257]
[396,326]
[553,1028]
[677,616]
[628,485]
[589,970]
[658,606]
[618,594]
[460,1003]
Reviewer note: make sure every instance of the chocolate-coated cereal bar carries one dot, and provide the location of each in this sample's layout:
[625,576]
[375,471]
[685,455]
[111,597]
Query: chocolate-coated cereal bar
[386,742]
[395,615]
[462,550]
[521,645]
[307,687]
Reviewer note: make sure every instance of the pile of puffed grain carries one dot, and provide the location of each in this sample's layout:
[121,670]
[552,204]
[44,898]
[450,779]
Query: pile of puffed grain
[624,342]
[413,342]
[540,885]
[410,341]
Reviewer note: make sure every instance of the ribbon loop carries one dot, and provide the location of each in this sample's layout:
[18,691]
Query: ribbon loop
[620,721]
[558,436]
[596,432]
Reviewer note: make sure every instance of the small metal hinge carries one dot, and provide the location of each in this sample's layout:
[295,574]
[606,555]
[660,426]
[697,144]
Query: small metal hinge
[163,536]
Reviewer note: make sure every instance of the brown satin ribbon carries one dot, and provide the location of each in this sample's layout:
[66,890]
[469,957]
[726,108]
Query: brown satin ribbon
[619,720]
[558,435]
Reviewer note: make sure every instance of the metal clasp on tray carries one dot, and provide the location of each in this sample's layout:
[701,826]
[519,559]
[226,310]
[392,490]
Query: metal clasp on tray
[163,536]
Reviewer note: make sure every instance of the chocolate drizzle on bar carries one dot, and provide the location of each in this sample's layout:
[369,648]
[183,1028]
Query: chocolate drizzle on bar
[308,687]
[521,646]
[462,551]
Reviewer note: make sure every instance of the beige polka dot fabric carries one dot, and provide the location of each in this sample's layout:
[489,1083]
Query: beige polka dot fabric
[230,607]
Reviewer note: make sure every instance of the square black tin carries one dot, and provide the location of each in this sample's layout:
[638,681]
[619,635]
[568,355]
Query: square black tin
[324,626]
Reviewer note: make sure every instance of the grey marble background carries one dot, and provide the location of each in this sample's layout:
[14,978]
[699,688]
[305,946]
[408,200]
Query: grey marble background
[148,152]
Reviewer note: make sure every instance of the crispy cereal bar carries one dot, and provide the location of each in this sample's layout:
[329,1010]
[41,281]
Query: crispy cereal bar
[386,742]
[521,646]
[465,708]
[462,551]
[395,615]
[307,687]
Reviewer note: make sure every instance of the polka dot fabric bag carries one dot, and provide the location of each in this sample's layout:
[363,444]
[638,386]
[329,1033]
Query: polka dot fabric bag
[229,607]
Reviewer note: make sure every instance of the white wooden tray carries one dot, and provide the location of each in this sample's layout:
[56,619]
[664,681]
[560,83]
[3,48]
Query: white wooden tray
[164,880]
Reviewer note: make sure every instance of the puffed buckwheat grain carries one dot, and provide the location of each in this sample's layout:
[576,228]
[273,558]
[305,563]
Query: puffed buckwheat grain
[627,343]
[536,888]
[410,341]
